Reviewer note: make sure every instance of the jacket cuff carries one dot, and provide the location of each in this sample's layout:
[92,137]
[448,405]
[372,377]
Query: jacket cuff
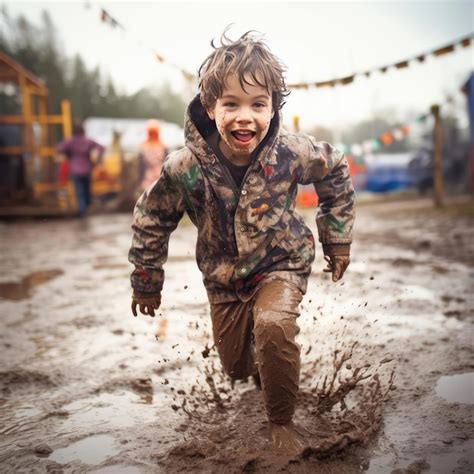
[147,281]
[337,249]
[141,294]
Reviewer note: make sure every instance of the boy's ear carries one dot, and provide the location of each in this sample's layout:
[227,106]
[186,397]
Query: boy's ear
[209,110]
[211,114]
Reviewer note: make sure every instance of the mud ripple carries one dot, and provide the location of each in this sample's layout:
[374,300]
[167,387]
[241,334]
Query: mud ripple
[18,379]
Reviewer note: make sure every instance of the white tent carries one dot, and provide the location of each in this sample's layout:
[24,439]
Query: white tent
[133,132]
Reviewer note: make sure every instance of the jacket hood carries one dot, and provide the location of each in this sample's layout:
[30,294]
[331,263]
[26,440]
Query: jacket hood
[199,127]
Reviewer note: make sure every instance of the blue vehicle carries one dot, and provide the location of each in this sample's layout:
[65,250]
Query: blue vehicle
[388,172]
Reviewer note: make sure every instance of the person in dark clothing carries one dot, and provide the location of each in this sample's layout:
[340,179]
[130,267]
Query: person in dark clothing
[78,150]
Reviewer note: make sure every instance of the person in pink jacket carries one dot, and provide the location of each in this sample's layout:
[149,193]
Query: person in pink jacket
[78,150]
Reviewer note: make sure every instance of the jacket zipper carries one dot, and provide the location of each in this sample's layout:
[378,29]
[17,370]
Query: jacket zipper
[237,191]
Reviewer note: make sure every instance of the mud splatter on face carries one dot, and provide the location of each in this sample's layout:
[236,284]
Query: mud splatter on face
[242,119]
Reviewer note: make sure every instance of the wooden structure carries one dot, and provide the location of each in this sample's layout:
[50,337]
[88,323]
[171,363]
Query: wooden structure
[438,157]
[40,192]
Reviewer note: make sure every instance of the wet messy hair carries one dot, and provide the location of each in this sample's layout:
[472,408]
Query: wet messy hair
[250,58]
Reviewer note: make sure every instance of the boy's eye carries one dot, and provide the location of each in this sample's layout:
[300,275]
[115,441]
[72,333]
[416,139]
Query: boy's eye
[260,104]
[230,104]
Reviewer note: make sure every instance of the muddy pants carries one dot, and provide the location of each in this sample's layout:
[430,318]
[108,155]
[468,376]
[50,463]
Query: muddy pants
[259,337]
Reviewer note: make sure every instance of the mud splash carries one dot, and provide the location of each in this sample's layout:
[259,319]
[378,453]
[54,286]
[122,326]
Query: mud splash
[22,290]
[225,424]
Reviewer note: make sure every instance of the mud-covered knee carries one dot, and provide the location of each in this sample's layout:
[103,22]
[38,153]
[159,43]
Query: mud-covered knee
[271,325]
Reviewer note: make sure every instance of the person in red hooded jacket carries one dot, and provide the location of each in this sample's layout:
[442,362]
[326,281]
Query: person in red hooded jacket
[152,154]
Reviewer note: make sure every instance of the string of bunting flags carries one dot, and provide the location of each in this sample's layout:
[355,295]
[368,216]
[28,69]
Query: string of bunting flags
[372,145]
[463,42]
[343,81]
[107,18]
[386,139]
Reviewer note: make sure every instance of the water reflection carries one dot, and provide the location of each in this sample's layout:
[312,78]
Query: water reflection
[456,388]
[22,290]
[92,450]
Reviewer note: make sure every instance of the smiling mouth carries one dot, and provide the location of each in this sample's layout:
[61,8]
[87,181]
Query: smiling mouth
[243,136]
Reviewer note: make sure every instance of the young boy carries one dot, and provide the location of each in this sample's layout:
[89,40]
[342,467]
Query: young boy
[237,179]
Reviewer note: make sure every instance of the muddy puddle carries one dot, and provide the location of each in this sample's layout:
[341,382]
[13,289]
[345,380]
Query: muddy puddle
[93,450]
[456,388]
[386,378]
[111,410]
[118,469]
[23,289]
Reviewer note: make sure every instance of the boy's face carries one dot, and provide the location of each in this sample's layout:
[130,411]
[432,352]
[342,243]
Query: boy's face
[242,118]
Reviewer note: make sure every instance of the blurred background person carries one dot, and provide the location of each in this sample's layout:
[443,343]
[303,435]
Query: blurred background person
[152,154]
[78,150]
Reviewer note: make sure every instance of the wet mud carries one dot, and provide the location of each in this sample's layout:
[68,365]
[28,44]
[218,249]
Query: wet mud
[386,377]
[23,289]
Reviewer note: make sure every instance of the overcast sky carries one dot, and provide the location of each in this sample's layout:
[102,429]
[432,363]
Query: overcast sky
[316,40]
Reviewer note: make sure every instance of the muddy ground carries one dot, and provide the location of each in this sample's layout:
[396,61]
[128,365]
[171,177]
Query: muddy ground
[387,374]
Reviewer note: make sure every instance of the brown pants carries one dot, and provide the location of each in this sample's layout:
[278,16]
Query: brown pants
[259,337]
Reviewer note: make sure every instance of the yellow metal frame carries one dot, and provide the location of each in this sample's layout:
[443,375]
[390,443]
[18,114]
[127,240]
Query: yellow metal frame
[31,86]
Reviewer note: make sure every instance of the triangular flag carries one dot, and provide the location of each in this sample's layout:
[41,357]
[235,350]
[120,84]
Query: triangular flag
[444,50]
[346,80]
[386,138]
[398,134]
[401,64]
[325,84]
[188,76]
[375,144]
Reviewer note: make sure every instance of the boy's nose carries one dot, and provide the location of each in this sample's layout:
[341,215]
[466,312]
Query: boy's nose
[244,115]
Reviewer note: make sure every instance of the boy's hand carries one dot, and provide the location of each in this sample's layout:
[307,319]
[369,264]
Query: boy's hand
[146,303]
[337,265]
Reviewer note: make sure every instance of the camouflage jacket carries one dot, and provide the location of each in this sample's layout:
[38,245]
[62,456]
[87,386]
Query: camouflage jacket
[249,235]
